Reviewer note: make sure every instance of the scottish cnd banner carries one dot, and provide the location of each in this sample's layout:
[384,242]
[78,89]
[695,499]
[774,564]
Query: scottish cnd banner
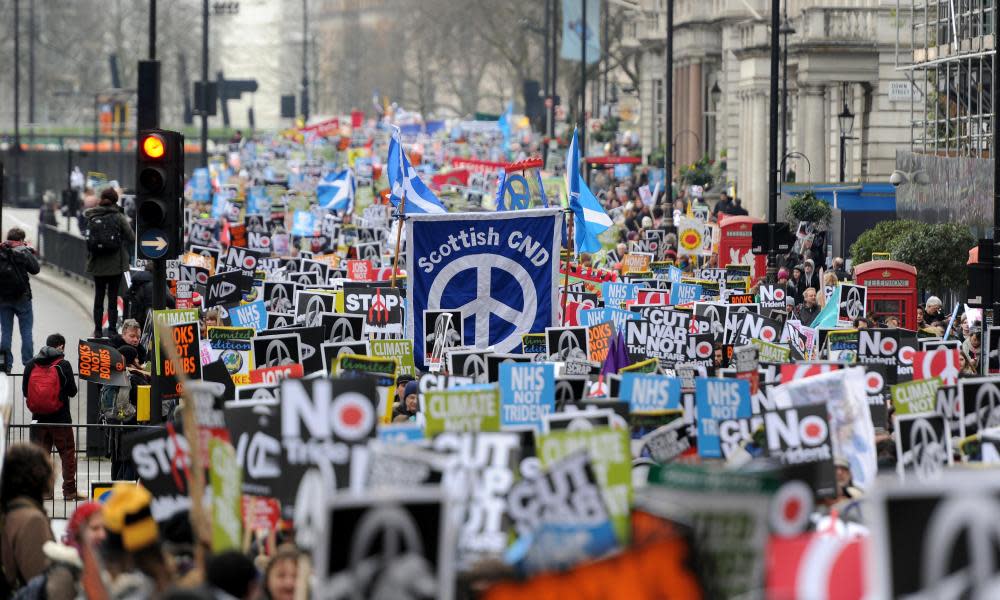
[498,269]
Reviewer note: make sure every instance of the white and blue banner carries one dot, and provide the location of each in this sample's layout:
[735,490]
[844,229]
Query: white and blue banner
[499,269]
[684,293]
[616,292]
[253,314]
[648,393]
[574,33]
[201,185]
[527,394]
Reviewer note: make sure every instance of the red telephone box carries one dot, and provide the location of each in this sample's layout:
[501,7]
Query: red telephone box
[892,290]
[735,240]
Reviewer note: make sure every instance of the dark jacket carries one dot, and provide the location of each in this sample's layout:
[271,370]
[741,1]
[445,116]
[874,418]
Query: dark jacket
[25,530]
[117,341]
[115,263]
[67,383]
[25,259]
[807,314]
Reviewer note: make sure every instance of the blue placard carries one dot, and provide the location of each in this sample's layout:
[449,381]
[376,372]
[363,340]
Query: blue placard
[650,393]
[304,223]
[683,293]
[258,202]
[527,394]
[253,315]
[718,400]
[498,268]
[589,317]
[401,433]
[614,293]
[201,185]
[674,274]
[619,317]
[220,203]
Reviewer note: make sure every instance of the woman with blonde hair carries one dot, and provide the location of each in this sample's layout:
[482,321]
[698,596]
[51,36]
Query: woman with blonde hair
[830,283]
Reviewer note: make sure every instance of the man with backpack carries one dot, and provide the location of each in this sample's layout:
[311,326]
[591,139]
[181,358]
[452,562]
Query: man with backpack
[17,263]
[109,237]
[48,384]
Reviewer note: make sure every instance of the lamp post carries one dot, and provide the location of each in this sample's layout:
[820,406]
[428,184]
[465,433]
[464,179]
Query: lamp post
[668,106]
[786,30]
[795,155]
[846,121]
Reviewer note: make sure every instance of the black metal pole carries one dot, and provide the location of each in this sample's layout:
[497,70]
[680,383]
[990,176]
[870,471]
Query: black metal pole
[843,162]
[546,82]
[583,82]
[305,51]
[31,66]
[668,105]
[784,93]
[555,67]
[995,287]
[772,179]
[17,86]
[204,83]
[152,29]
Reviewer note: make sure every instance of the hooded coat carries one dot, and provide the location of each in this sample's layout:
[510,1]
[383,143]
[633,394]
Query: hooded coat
[67,382]
[114,263]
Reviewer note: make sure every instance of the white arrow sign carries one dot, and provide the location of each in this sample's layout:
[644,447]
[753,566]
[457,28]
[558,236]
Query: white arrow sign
[157,243]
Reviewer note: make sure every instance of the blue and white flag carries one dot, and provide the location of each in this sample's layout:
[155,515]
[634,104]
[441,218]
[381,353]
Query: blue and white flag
[591,220]
[499,269]
[404,182]
[574,33]
[336,191]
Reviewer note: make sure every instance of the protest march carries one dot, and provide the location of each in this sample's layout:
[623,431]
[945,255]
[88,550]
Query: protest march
[392,364]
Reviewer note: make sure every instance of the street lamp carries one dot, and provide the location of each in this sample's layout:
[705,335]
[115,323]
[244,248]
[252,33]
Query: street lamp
[795,154]
[846,121]
[716,95]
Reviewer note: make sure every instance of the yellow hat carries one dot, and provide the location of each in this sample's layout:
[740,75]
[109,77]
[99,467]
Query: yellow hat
[128,519]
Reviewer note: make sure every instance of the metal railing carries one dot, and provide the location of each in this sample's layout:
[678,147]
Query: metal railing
[62,249]
[89,469]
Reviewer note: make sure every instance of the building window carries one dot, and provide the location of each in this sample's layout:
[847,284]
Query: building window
[659,116]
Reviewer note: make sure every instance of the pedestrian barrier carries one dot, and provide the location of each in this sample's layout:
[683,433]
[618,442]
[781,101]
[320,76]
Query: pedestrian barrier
[89,469]
[62,249]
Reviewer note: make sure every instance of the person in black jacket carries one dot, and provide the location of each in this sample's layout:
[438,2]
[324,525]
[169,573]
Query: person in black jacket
[17,262]
[140,296]
[54,428]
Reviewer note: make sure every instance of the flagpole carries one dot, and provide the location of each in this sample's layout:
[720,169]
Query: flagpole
[399,235]
[569,241]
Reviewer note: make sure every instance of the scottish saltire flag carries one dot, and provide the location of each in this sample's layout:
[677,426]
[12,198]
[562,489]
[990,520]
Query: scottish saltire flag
[336,191]
[404,181]
[591,220]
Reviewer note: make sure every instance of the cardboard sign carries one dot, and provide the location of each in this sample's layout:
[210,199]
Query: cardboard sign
[382,370]
[162,461]
[944,363]
[233,346]
[280,296]
[980,397]
[611,461]
[278,350]
[227,506]
[853,303]
[527,394]
[361,524]
[772,296]
[359,270]
[663,335]
[274,375]
[342,327]
[718,401]
[533,343]
[310,307]
[252,315]
[564,344]
[225,288]
[914,397]
[101,364]
[400,350]
[382,309]
[470,409]
[769,352]
[443,330]
[599,341]
[187,339]
[801,435]
[650,393]
[923,445]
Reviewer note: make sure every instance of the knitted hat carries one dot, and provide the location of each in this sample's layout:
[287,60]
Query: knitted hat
[80,516]
[412,387]
[128,519]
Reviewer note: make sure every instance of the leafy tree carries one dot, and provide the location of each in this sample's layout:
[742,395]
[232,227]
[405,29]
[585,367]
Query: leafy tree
[939,251]
[881,238]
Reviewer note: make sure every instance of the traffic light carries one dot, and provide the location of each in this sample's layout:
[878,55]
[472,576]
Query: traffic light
[159,190]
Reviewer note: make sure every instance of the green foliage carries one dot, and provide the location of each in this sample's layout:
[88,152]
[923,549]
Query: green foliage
[810,209]
[607,132]
[881,238]
[939,251]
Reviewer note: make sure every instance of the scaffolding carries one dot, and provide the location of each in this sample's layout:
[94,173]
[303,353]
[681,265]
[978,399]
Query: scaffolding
[949,59]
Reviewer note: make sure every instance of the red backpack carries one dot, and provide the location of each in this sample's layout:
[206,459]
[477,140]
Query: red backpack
[43,390]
